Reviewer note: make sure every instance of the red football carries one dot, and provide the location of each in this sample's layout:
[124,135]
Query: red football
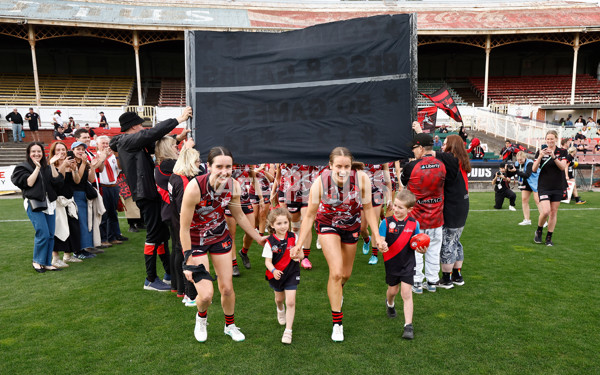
[419,240]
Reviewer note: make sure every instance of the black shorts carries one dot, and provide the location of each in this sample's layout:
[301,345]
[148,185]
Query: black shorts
[346,236]
[294,207]
[290,282]
[525,186]
[393,280]
[246,209]
[552,195]
[33,127]
[221,247]
[254,199]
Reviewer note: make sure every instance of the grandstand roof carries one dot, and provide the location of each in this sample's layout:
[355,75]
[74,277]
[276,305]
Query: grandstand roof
[451,17]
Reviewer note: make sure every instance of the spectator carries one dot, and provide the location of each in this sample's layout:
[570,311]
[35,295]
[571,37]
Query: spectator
[580,121]
[16,121]
[91,132]
[34,123]
[437,144]
[57,120]
[107,173]
[70,127]
[443,129]
[501,183]
[507,151]
[579,136]
[135,147]
[66,236]
[39,183]
[552,184]
[463,134]
[477,152]
[571,165]
[568,121]
[59,134]
[103,123]
[456,209]
[425,178]
[528,181]
[561,122]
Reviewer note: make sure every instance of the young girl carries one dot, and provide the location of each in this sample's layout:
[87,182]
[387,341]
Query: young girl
[283,272]
[400,257]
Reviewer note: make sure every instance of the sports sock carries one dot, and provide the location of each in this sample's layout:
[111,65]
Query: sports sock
[549,236]
[337,317]
[539,230]
[203,314]
[375,251]
[229,320]
[306,252]
[446,276]
[234,262]
[456,273]
[244,251]
[367,240]
[388,305]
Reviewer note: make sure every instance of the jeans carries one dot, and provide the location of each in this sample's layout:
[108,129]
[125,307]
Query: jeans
[44,225]
[86,238]
[16,129]
[109,227]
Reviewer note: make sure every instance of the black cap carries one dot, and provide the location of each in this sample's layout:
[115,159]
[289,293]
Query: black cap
[421,139]
[129,120]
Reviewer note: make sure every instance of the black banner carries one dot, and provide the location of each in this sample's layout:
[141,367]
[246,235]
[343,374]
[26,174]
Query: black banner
[294,96]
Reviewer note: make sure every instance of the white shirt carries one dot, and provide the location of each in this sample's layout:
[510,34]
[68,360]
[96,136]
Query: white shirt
[103,176]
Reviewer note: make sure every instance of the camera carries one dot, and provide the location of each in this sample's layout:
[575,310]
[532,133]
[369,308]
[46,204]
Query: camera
[510,164]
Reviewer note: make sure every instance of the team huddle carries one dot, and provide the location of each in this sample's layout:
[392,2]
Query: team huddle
[343,201]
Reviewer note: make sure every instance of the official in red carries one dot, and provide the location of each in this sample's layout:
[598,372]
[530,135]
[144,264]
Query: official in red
[110,232]
[425,178]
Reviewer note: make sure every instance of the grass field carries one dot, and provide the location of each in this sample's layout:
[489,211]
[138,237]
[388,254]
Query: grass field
[524,309]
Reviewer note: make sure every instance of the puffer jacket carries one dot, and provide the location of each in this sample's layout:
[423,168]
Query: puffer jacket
[135,155]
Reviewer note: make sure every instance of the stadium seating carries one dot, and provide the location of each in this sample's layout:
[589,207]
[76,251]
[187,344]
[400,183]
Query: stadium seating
[172,93]
[538,89]
[66,90]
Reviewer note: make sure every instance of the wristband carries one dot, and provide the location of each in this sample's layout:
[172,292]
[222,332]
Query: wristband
[273,270]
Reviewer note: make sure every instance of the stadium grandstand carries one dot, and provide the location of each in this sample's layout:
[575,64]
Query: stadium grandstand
[514,68]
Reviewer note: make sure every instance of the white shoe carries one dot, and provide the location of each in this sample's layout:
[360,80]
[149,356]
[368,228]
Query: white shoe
[190,303]
[512,208]
[200,329]
[525,222]
[72,260]
[287,337]
[185,299]
[318,244]
[58,263]
[281,316]
[545,224]
[234,332]
[338,333]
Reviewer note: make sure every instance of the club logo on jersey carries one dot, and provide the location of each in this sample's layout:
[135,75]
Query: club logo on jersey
[430,166]
[392,225]
[429,201]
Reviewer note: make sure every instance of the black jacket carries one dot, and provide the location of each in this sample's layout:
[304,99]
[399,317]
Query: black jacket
[38,191]
[135,155]
[14,117]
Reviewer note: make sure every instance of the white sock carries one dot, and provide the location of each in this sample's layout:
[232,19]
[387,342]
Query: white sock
[287,330]
[282,310]
[388,305]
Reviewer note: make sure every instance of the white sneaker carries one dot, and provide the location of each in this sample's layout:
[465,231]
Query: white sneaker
[525,222]
[318,244]
[58,263]
[185,299]
[200,329]
[545,224]
[512,208]
[338,333]
[281,316]
[72,259]
[190,303]
[287,337]
[234,332]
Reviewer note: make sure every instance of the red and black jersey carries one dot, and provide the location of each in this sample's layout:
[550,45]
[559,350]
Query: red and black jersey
[264,183]
[393,179]
[280,253]
[425,178]
[340,205]
[377,177]
[295,181]
[241,173]
[208,224]
[400,258]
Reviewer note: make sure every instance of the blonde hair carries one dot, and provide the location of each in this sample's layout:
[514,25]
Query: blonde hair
[553,132]
[406,197]
[164,149]
[521,155]
[274,214]
[186,163]
[572,150]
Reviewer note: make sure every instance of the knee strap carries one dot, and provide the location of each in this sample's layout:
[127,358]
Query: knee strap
[198,272]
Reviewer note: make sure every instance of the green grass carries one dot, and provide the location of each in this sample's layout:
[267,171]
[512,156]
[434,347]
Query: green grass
[524,308]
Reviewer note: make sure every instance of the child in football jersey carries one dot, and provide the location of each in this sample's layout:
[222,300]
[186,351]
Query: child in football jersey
[283,272]
[399,257]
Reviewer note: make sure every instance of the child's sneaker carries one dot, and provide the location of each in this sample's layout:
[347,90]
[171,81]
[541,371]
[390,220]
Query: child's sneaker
[234,332]
[306,264]
[337,334]
[417,288]
[318,244]
[366,247]
[287,337]
[373,259]
[446,284]
[432,287]
[281,316]
[200,329]
[458,280]
[409,332]
[391,311]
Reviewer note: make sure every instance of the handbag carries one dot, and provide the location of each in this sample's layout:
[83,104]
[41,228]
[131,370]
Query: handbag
[22,134]
[90,191]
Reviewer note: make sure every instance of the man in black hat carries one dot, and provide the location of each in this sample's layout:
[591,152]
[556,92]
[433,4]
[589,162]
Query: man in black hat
[135,147]
[425,177]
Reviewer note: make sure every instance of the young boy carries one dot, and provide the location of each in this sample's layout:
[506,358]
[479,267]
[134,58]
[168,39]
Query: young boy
[399,258]
[502,188]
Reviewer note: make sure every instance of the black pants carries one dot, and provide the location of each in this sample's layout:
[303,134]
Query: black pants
[109,227]
[157,237]
[177,278]
[500,195]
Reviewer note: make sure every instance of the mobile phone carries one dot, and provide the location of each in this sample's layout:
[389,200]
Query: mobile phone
[70,155]
[544,147]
